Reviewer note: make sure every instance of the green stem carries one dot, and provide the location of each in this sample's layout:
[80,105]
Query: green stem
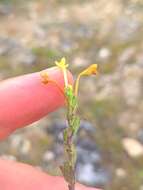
[68,168]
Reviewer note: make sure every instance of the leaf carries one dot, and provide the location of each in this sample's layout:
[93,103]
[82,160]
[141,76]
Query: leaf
[75,125]
[74,102]
[65,135]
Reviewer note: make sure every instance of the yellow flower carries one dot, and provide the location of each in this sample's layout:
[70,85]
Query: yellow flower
[45,80]
[62,63]
[91,70]
[63,66]
[45,77]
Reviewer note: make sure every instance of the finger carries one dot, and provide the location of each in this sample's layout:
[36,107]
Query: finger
[26,99]
[18,176]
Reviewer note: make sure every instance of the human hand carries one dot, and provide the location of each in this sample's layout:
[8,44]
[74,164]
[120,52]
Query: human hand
[24,100]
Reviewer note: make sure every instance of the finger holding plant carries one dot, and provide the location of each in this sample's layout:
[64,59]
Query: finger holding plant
[70,92]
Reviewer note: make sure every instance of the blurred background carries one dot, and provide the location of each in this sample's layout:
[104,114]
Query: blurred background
[33,34]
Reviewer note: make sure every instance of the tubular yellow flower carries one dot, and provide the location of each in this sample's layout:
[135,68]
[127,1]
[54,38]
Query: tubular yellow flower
[63,66]
[45,80]
[91,70]
[44,77]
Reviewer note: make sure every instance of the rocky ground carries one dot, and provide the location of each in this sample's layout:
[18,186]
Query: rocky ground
[33,34]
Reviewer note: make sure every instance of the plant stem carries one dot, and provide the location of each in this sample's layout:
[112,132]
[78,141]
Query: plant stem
[68,168]
[70,144]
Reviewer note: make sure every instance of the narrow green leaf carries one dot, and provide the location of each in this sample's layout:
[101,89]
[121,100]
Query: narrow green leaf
[65,135]
[74,102]
[75,124]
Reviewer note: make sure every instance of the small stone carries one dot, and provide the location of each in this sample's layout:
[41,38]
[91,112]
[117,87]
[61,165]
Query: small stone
[25,147]
[19,143]
[87,174]
[104,53]
[48,156]
[132,147]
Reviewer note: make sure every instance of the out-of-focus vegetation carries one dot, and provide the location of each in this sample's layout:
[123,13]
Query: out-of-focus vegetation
[33,34]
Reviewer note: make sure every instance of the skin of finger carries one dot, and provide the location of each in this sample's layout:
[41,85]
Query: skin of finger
[25,99]
[18,176]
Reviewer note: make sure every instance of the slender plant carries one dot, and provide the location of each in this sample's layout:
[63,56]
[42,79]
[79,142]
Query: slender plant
[70,93]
